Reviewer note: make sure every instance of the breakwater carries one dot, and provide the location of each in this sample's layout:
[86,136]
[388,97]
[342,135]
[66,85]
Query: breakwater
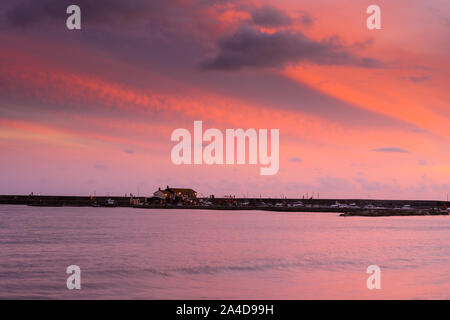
[395,212]
[323,205]
[61,201]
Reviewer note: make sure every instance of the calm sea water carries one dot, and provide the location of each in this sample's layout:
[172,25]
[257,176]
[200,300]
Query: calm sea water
[127,253]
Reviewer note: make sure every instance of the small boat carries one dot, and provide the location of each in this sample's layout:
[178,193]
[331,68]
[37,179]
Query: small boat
[110,203]
[297,204]
[107,203]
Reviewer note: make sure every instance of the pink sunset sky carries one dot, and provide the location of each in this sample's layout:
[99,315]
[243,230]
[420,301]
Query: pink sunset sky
[361,113]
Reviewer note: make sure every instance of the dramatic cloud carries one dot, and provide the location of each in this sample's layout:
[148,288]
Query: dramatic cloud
[268,16]
[391,149]
[249,47]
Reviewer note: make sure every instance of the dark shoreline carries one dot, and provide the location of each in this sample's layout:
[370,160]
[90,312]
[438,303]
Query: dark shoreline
[390,207]
[125,201]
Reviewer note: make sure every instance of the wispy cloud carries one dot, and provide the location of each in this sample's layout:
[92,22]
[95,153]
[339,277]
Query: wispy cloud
[417,79]
[306,19]
[391,149]
[417,130]
[422,163]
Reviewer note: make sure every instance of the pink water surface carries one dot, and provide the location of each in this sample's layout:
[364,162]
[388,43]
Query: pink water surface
[127,253]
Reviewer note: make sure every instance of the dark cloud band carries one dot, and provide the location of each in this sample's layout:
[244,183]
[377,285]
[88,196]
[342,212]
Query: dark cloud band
[250,47]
